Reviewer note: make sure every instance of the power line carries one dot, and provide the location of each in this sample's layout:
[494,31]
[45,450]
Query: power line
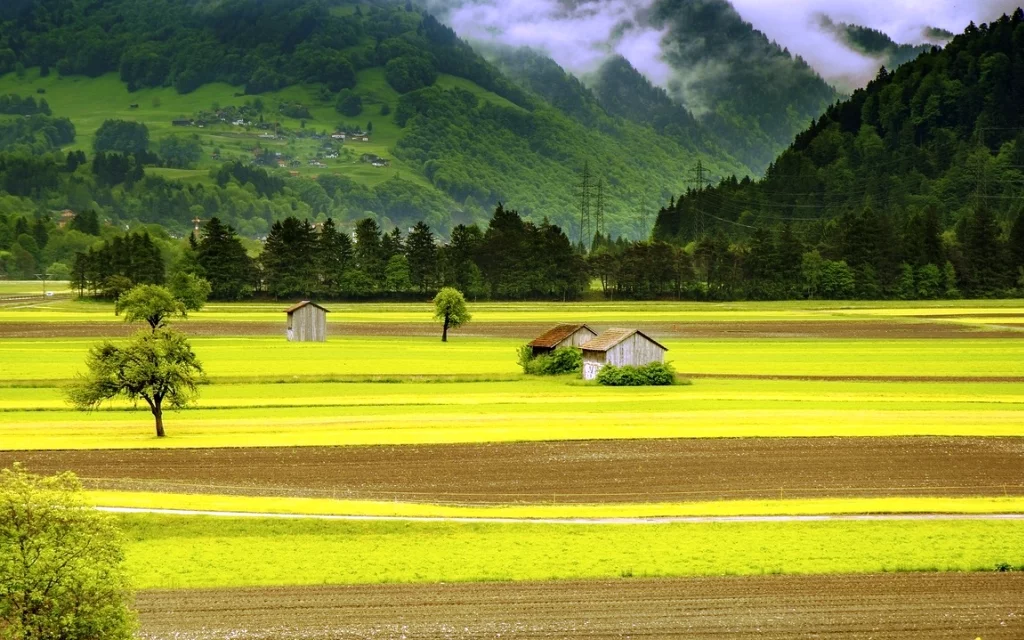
[583,189]
[699,182]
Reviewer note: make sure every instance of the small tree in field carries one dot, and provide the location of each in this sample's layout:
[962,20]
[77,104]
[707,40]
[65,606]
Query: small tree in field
[61,565]
[156,367]
[191,290]
[450,308]
[155,304]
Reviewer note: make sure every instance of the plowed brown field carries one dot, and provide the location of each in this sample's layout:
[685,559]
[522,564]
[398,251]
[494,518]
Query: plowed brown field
[845,329]
[896,606]
[581,472]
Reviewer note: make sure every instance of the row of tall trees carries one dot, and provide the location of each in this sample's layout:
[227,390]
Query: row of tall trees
[117,265]
[510,259]
[855,257]
[879,254]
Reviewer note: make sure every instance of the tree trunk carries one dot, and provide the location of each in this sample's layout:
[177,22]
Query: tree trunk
[158,414]
[444,333]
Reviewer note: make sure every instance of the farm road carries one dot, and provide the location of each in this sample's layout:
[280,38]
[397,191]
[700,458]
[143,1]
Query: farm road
[599,471]
[866,517]
[938,606]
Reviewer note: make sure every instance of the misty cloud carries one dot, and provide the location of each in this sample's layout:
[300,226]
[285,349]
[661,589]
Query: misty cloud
[795,24]
[582,34]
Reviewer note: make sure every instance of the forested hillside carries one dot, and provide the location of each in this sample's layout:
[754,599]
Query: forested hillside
[877,44]
[272,84]
[917,175]
[753,95]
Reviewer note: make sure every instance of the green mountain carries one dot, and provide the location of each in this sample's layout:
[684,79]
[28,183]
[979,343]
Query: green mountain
[749,92]
[875,43]
[231,90]
[922,167]
[728,86]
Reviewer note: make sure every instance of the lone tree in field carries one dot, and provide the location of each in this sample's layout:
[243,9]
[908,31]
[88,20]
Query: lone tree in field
[191,290]
[450,308]
[155,304]
[61,565]
[156,367]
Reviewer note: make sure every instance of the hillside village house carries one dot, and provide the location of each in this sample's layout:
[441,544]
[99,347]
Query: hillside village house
[563,335]
[620,347]
[307,322]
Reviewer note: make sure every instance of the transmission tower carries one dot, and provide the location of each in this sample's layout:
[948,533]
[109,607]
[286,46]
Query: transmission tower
[699,181]
[642,217]
[584,189]
[599,217]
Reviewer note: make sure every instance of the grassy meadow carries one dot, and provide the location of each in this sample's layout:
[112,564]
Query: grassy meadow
[232,415]
[196,552]
[401,385]
[981,312]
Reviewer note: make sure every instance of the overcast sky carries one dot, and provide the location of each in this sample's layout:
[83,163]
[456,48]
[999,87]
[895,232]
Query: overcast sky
[581,34]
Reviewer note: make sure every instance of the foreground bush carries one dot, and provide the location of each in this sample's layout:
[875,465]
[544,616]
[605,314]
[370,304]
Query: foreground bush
[558,362]
[655,374]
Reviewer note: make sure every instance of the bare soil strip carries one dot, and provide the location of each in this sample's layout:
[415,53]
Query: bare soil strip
[836,329]
[680,470]
[884,607]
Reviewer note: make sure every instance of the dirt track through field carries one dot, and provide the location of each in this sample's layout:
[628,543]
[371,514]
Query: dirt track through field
[567,472]
[836,329]
[883,607]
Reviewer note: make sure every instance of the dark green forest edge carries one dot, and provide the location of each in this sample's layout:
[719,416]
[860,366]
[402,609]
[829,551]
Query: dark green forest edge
[907,190]
[910,189]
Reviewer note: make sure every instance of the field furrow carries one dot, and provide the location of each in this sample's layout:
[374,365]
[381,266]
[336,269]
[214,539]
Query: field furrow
[883,607]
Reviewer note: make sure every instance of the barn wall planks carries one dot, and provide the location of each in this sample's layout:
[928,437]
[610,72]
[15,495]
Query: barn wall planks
[307,324]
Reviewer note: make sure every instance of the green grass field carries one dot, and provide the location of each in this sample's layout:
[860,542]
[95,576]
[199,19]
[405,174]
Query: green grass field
[563,409]
[552,312]
[394,389]
[276,359]
[193,552]
[30,287]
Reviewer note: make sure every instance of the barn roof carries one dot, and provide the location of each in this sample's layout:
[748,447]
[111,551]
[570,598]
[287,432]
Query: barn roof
[296,307]
[612,337]
[553,336]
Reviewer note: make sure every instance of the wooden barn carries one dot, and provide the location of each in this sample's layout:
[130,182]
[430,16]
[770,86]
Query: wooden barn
[564,335]
[307,322]
[620,347]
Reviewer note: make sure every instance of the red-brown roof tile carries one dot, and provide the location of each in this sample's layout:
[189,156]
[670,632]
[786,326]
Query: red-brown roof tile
[553,336]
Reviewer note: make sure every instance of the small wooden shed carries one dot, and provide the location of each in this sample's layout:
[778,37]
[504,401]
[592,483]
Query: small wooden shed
[620,347]
[307,322]
[563,335]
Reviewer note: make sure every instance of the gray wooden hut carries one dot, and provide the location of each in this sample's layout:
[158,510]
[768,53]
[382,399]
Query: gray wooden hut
[563,335]
[307,322]
[620,347]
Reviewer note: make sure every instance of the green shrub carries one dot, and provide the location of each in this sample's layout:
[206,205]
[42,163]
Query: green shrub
[524,355]
[655,374]
[558,362]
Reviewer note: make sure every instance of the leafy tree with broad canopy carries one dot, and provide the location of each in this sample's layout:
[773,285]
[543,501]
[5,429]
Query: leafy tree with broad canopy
[450,308]
[155,304]
[155,366]
[61,566]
